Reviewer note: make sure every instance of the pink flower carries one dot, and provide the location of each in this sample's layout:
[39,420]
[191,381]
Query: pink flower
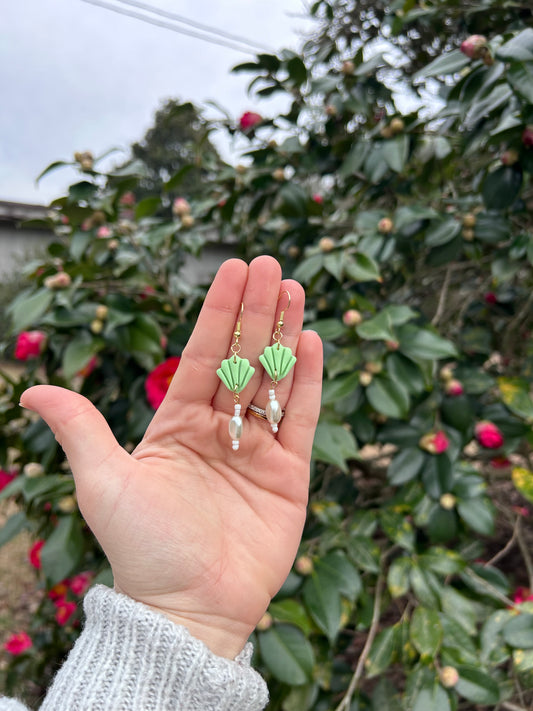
[30,344]
[318,199]
[64,611]
[435,442]
[181,207]
[18,643]
[474,46]
[80,583]
[522,595]
[103,232]
[488,435]
[59,280]
[249,120]
[6,478]
[454,388]
[34,554]
[128,199]
[158,381]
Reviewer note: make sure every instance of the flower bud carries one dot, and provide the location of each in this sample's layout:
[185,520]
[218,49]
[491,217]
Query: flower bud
[365,378]
[67,504]
[448,501]
[469,220]
[304,565]
[265,622]
[187,221]
[385,226]
[392,345]
[386,132]
[326,244]
[33,470]
[331,110]
[474,46]
[294,251]
[97,326]
[249,120]
[527,136]
[449,676]
[374,367]
[352,317]
[488,435]
[510,157]
[348,67]
[279,175]
[180,207]
[397,125]
[434,442]
[60,280]
[103,232]
[113,245]
[101,312]
[468,235]
[454,388]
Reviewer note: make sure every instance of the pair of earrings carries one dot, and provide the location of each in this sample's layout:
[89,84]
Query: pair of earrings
[236,372]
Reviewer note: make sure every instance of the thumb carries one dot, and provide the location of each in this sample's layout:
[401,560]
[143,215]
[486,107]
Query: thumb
[79,428]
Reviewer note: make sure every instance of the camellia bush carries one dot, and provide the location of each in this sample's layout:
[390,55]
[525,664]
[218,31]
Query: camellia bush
[397,187]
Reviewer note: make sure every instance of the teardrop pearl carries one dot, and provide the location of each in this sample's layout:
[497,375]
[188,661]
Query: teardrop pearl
[273,410]
[235,428]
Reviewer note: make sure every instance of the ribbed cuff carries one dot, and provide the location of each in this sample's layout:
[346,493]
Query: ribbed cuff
[129,658]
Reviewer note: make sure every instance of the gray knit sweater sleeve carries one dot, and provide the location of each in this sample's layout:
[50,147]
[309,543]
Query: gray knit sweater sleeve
[129,658]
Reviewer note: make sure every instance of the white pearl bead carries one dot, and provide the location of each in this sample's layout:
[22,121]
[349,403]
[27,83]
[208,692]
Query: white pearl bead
[273,411]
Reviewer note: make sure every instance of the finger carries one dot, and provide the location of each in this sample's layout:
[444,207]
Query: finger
[291,331]
[259,301]
[297,429]
[91,448]
[196,379]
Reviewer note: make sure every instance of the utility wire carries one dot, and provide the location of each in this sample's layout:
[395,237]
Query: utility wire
[192,23]
[168,26]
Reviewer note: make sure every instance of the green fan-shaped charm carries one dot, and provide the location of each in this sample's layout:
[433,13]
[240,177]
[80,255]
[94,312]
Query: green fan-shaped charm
[235,373]
[277,361]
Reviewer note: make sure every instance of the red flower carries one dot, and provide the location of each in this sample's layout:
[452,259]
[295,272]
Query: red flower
[18,643]
[158,381]
[6,478]
[88,369]
[488,435]
[34,554]
[500,463]
[80,583]
[435,442]
[249,120]
[59,591]
[318,199]
[30,344]
[64,612]
[527,137]
[522,595]
[490,298]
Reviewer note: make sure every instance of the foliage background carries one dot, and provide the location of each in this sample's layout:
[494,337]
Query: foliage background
[409,223]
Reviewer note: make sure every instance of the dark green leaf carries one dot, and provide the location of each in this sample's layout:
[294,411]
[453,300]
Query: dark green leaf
[147,207]
[398,576]
[478,514]
[517,49]
[381,653]
[388,397]
[477,686]
[396,152]
[418,343]
[287,654]
[425,631]
[437,475]
[518,632]
[406,465]
[502,187]
[322,599]
[62,552]
[361,267]
[337,567]
[334,444]
[442,232]
[292,612]
[445,65]
[27,310]
[12,527]
[78,353]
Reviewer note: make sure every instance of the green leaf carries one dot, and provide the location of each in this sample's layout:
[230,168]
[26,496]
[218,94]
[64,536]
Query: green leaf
[329,329]
[27,310]
[418,343]
[78,244]
[361,267]
[297,70]
[377,328]
[477,686]
[406,465]
[396,152]
[12,527]
[340,570]
[523,481]
[518,632]
[437,475]
[493,648]
[424,585]
[78,353]
[322,599]
[334,444]
[517,49]
[62,552]
[147,207]
[334,390]
[442,231]
[492,227]
[364,553]
[292,612]
[515,394]
[502,187]
[177,178]
[388,397]
[520,77]
[445,65]
[425,631]
[432,697]
[478,514]
[398,576]
[287,654]
[382,652]
[49,168]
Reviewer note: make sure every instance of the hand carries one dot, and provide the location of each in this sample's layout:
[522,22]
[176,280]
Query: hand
[195,530]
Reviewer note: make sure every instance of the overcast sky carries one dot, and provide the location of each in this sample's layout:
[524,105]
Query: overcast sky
[77,77]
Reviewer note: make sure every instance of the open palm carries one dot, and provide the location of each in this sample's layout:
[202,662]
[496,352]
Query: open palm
[200,532]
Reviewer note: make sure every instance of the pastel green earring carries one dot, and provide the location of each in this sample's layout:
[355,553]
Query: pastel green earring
[277,360]
[235,372]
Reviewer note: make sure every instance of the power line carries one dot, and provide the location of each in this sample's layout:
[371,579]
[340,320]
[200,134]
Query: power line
[168,26]
[193,23]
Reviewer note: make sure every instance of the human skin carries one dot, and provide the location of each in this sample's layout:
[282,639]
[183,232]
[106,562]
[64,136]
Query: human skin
[191,528]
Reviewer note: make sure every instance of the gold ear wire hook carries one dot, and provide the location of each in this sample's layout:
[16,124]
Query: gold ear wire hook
[236,346]
[282,314]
